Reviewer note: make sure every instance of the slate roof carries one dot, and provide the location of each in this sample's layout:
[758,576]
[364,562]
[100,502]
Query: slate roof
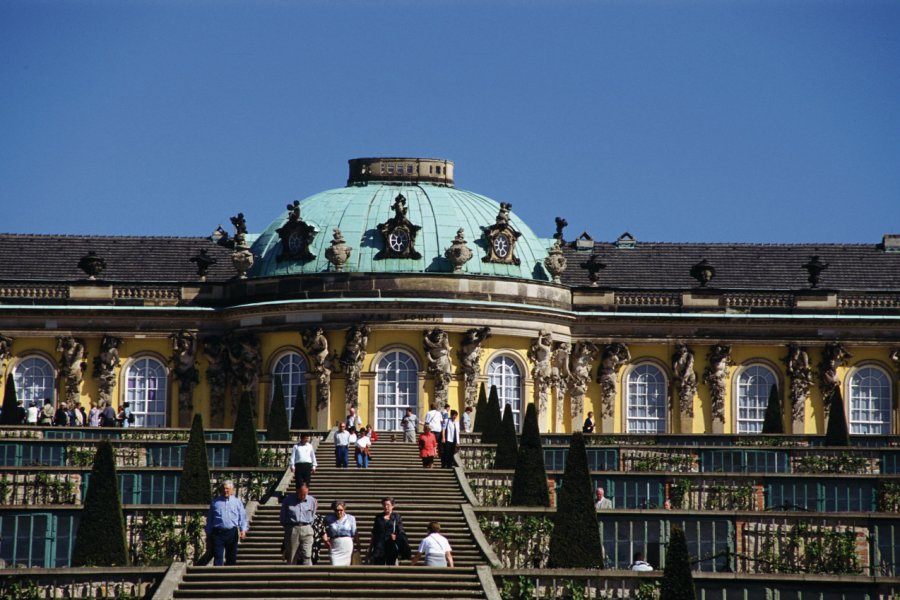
[667,266]
[54,258]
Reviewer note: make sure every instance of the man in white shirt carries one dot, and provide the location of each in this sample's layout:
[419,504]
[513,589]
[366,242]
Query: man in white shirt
[433,422]
[451,441]
[602,501]
[640,564]
[341,446]
[353,421]
[31,417]
[303,460]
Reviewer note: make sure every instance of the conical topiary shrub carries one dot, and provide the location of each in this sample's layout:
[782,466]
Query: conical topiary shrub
[277,430]
[507,447]
[490,434]
[10,414]
[837,433]
[677,581]
[575,541]
[299,418]
[195,487]
[774,420]
[529,486]
[480,410]
[100,539]
[244,447]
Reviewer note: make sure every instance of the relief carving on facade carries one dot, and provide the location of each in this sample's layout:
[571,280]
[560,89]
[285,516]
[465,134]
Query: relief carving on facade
[72,365]
[800,373]
[217,378]
[581,364]
[244,364]
[352,360]
[458,253]
[612,359]
[834,355]
[105,366]
[895,359]
[560,379]
[715,375]
[469,354]
[684,378]
[338,253]
[316,344]
[540,354]
[5,351]
[437,351]
[184,358]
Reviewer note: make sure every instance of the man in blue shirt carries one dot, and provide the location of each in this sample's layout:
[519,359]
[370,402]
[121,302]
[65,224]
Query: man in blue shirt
[226,521]
[298,514]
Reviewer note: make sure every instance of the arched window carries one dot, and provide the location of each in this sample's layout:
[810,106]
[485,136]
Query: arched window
[397,387]
[870,402]
[754,385]
[646,400]
[505,374]
[291,367]
[35,380]
[146,391]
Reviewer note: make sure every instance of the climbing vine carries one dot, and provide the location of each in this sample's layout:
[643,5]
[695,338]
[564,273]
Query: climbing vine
[807,549]
[840,463]
[164,540]
[520,542]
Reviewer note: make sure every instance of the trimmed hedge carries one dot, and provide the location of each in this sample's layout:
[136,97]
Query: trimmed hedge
[195,488]
[837,433]
[299,418]
[491,432]
[277,426]
[100,539]
[529,487]
[774,419]
[508,446]
[10,414]
[678,581]
[575,541]
[244,447]
[480,410]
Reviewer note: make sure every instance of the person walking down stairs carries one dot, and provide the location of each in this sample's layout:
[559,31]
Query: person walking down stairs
[298,514]
[389,541]
[303,460]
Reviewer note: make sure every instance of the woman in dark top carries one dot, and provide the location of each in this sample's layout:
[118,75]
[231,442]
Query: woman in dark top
[389,539]
[588,424]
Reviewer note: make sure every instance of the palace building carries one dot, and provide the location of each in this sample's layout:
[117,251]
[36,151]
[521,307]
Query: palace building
[400,289]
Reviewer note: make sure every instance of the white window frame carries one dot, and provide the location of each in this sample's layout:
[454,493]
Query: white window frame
[635,386]
[396,388]
[137,389]
[506,372]
[751,397]
[870,426]
[25,381]
[294,370]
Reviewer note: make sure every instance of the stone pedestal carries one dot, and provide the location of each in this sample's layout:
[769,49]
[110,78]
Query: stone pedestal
[606,425]
[685,424]
[797,427]
[718,427]
[185,417]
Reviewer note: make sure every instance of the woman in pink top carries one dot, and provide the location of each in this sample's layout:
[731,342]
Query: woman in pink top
[427,447]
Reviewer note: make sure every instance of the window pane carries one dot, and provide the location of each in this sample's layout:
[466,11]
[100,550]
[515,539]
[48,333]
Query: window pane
[870,402]
[504,373]
[292,369]
[35,380]
[146,391]
[753,389]
[397,388]
[646,400]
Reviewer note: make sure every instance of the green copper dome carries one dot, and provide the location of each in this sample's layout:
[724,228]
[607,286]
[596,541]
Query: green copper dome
[369,203]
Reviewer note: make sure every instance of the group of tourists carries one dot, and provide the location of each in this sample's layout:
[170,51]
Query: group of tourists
[351,434]
[73,414]
[441,433]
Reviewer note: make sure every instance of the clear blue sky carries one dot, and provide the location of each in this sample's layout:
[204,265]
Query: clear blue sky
[775,121]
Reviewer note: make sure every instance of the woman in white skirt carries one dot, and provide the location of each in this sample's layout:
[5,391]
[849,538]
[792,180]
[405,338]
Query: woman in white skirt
[340,534]
[435,548]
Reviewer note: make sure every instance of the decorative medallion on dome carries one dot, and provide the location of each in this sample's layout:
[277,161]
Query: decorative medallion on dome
[501,239]
[296,236]
[458,253]
[399,233]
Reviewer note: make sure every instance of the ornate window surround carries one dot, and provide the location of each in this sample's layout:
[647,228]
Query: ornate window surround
[373,389]
[122,392]
[739,370]
[625,374]
[852,371]
[524,372]
[289,390]
[39,354]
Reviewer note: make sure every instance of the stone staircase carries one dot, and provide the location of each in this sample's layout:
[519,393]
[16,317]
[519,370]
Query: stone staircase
[420,496]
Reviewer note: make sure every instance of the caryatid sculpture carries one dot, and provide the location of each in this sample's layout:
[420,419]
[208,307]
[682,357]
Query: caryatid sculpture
[470,360]
[244,363]
[217,377]
[184,358]
[539,354]
[352,360]
[613,357]
[715,375]
[685,378]
[834,355]
[5,351]
[105,366]
[72,365]
[316,344]
[582,362]
[437,351]
[800,373]
[560,378]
